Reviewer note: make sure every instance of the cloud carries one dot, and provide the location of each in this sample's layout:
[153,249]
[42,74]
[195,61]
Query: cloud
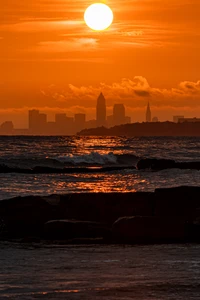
[42,25]
[190,87]
[73,44]
[132,92]
[142,93]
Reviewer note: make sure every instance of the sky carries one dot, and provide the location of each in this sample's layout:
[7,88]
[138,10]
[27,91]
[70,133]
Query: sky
[51,60]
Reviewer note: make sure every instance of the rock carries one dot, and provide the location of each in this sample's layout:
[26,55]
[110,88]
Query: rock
[24,216]
[155,164]
[105,207]
[193,165]
[149,229]
[179,201]
[161,164]
[73,229]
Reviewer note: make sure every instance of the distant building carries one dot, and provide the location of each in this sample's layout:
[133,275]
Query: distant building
[37,122]
[63,125]
[33,116]
[79,122]
[176,118]
[91,124]
[101,111]
[60,119]
[118,117]
[7,127]
[148,113]
[127,120]
[118,114]
[155,120]
[189,120]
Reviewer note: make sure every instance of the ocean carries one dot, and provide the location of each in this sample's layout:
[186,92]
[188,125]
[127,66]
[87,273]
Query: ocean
[56,271]
[58,152]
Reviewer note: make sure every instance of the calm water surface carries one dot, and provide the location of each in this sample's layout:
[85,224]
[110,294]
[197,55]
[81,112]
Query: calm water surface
[156,272]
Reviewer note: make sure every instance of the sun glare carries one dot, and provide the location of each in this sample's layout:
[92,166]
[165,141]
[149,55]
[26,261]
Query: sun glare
[98,16]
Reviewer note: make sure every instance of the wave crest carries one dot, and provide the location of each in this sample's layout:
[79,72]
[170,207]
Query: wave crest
[93,158]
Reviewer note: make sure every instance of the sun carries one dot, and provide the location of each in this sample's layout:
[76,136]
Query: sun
[98,16]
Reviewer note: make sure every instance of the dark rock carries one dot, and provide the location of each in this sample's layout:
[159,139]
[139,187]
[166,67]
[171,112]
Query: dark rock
[193,165]
[155,164]
[162,164]
[4,169]
[149,229]
[24,216]
[105,208]
[179,201]
[30,240]
[72,229]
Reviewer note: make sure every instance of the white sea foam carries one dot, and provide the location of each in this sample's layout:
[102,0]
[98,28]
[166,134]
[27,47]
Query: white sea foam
[91,159]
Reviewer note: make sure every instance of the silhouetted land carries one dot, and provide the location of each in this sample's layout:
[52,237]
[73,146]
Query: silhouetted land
[147,129]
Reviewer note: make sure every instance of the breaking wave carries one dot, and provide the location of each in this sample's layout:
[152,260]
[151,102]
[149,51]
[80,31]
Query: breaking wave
[95,158]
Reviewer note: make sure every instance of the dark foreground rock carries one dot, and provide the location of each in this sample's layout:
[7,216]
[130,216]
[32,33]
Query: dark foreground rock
[92,215]
[68,170]
[73,229]
[162,164]
[179,201]
[149,229]
[155,164]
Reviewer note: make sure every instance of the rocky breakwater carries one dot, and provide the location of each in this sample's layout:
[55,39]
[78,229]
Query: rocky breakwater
[166,215]
[162,164]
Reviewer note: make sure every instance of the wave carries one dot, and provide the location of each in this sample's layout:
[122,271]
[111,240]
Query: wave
[92,159]
[93,162]
[95,158]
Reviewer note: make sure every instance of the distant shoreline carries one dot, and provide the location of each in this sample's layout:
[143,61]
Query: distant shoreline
[147,130]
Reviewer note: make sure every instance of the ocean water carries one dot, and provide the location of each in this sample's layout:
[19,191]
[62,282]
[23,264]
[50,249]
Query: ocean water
[50,271]
[154,272]
[59,152]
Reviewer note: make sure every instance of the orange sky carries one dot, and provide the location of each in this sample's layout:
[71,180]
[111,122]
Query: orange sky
[49,58]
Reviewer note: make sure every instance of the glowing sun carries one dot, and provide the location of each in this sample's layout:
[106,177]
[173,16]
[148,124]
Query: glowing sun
[98,16]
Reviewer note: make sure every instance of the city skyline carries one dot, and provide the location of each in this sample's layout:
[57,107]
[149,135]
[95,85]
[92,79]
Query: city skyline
[50,60]
[62,124]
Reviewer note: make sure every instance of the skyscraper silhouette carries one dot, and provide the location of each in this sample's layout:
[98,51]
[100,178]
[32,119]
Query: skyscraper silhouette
[101,111]
[118,114]
[37,122]
[148,113]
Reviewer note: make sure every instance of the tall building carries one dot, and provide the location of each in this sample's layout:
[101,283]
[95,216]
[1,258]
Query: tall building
[148,113]
[118,114]
[33,116]
[64,125]
[37,122]
[101,111]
